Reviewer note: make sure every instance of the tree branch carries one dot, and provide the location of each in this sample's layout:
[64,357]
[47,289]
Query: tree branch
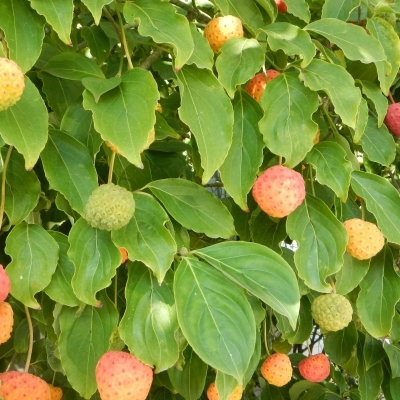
[200,15]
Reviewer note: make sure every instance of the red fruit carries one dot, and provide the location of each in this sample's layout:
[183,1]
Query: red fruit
[277,369]
[124,254]
[5,285]
[6,322]
[315,368]
[23,386]
[282,7]
[256,86]
[392,119]
[121,376]
[279,191]
[212,393]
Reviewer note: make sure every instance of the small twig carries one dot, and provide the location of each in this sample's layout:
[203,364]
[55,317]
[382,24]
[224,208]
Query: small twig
[29,355]
[394,182]
[152,58]
[123,36]
[311,180]
[332,284]
[362,209]
[200,15]
[391,98]
[215,184]
[111,168]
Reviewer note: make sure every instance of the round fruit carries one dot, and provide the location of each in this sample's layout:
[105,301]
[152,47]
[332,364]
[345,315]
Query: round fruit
[277,369]
[220,29]
[282,7]
[121,376]
[332,312]
[23,386]
[364,238]
[279,191]
[109,207]
[5,285]
[212,393]
[315,368]
[11,83]
[56,393]
[256,86]
[6,321]
[392,119]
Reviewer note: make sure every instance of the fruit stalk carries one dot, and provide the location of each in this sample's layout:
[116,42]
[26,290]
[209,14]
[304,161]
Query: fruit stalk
[30,348]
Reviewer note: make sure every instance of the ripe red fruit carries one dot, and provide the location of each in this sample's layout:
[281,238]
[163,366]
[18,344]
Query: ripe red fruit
[279,191]
[121,376]
[277,369]
[21,385]
[392,119]
[212,393]
[282,7]
[256,86]
[5,285]
[315,368]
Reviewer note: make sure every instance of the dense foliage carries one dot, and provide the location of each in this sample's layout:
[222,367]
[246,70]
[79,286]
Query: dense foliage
[131,93]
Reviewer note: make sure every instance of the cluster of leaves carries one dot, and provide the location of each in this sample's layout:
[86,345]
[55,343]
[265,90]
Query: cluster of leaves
[212,281]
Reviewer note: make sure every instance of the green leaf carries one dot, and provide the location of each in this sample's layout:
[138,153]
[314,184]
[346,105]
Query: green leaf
[373,351]
[260,271]
[299,8]
[352,39]
[351,274]
[58,14]
[322,242]
[349,153]
[202,55]
[292,40]
[78,123]
[378,144]
[194,207]
[339,9]
[215,317]
[299,387]
[146,238]
[99,86]
[22,189]
[333,169]
[374,93]
[246,10]
[361,121]
[239,170]
[149,323]
[380,291]
[190,381]
[60,93]
[23,30]
[96,259]
[395,388]
[34,255]
[73,66]
[159,20]
[125,115]
[69,168]
[338,84]
[98,42]
[239,61]
[382,199]
[225,385]
[370,382]
[84,338]
[287,125]
[271,9]
[341,345]
[60,288]
[206,109]
[385,33]
[96,7]
[162,129]
[24,125]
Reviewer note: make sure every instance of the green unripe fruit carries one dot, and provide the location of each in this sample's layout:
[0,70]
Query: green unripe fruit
[331,312]
[109,207]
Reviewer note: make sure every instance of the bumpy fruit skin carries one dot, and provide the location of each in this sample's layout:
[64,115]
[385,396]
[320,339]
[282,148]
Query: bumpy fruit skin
[11,83]
[256,85]
[6,321]
[315,368]
[5,285]
[220,29]
[23,386]
[277,369]
[109,207]
[212,393]
[282,7]
[279,191]
[56,393]
[392,119]
[365,239]
[121,376]
[332,312]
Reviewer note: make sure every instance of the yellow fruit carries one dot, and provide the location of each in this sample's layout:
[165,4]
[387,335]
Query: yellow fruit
[11,83]
[212,393]
[6,321]
[23,386]
[56,393]
[277,369]
[220,29]
[365,239]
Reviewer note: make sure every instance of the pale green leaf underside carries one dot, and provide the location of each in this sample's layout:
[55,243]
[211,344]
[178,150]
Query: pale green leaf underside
[299,8]
[339,9]
[96,7]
